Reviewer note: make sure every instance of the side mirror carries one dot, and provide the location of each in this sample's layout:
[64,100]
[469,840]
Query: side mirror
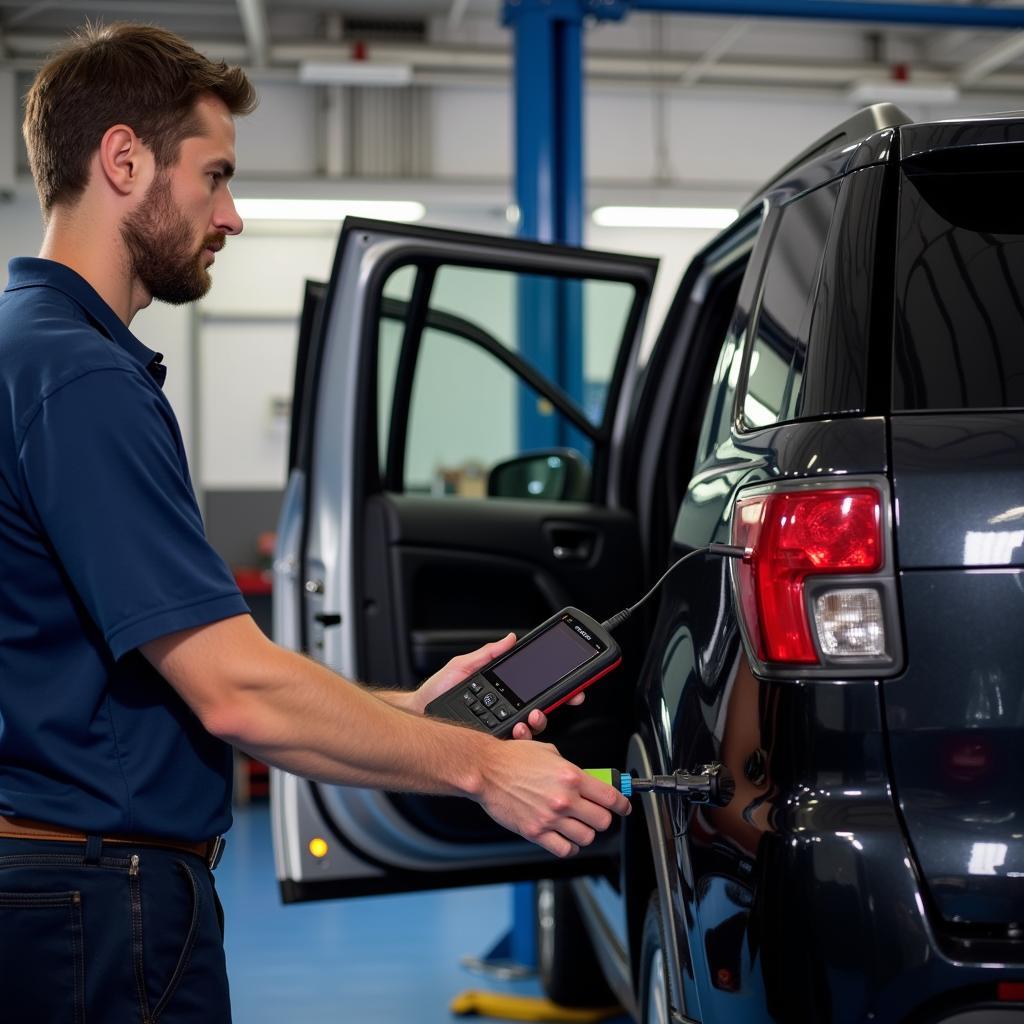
[556,474]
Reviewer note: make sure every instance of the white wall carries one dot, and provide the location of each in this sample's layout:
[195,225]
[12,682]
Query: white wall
[248,326]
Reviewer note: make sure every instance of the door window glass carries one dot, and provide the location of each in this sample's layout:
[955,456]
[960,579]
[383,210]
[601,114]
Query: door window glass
[779,349]
[471,406]
[457,431]
[518,310]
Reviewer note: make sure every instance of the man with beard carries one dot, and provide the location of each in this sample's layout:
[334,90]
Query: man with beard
[128,659]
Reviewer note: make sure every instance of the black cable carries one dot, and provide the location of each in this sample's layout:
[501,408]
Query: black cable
[726,550]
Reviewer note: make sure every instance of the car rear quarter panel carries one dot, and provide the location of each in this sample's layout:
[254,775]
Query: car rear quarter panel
[956,715]
[800,900]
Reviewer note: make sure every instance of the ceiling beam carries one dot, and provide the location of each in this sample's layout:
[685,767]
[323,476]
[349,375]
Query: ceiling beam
[254,23]
[471,66]
[992,59]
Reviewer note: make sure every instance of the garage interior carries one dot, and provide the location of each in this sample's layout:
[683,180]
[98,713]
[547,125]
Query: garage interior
[406,110]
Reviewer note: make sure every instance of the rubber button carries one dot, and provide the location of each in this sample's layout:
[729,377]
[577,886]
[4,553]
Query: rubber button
[479,709]
[469,697]
[502,712]
[489,700]
[476,686]
[489,720]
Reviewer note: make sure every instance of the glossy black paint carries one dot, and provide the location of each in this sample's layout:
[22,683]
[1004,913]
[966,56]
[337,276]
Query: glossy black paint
[959,489]
[956,716]
[918,139]
[955,721]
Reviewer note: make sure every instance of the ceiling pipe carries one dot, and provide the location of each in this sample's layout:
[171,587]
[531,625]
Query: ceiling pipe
[832,10]
[991,60]
[253,15]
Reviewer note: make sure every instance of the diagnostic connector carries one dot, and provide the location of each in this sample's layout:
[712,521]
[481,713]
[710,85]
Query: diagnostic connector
[709,784]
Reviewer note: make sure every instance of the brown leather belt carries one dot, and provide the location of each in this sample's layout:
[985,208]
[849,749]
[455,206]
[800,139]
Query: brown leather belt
[23,828]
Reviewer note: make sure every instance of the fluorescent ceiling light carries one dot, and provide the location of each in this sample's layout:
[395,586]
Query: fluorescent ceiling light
[329,209]
[890,90]
[663,216]
[354,72]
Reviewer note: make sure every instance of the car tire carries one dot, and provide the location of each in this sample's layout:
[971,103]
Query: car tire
[569,972]
[655,1001]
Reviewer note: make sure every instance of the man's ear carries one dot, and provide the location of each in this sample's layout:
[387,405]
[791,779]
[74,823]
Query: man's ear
[124,161]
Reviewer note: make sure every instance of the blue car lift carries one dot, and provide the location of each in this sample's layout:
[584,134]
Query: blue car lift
[548,69]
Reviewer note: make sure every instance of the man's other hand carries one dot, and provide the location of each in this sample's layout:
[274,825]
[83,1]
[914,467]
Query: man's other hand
[462,667]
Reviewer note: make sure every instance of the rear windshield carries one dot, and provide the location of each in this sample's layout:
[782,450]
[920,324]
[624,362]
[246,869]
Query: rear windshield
[959,341]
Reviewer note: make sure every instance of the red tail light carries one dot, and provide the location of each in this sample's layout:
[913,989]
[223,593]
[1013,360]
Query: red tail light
[792,536]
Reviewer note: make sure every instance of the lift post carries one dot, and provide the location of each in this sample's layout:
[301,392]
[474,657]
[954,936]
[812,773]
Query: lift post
[548,49]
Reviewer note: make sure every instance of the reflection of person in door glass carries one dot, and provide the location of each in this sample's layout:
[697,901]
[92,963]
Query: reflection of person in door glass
[128,659]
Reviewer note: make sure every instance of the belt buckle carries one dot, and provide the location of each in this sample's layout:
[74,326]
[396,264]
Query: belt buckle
[217,845]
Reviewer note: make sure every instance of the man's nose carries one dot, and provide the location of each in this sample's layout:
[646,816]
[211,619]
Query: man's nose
[226,218]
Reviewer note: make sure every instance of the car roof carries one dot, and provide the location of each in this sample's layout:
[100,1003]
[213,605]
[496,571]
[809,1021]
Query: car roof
[863,139]
[845,138]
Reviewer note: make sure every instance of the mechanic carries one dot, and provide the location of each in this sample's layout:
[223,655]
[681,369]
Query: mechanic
[128,660]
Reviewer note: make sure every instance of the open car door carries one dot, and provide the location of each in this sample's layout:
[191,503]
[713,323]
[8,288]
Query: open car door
[443,490]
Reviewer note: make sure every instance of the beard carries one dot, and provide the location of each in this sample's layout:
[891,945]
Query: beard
[161,249]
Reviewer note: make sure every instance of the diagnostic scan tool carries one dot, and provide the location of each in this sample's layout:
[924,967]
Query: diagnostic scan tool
[554,662]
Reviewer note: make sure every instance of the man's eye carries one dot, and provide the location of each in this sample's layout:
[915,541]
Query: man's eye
[216,177]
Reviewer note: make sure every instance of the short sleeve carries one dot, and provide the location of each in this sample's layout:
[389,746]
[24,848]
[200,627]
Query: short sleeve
[107,483]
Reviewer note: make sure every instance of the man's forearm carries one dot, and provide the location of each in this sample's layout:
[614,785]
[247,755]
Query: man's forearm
[294,713]
[404,700]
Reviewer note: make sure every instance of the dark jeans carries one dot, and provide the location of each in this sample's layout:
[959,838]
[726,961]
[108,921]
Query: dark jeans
[109,936]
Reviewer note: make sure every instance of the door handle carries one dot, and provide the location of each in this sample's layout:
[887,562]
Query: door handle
[580,553]
[571,543]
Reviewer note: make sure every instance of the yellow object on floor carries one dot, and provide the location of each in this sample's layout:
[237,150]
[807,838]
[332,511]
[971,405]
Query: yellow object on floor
[475,1002]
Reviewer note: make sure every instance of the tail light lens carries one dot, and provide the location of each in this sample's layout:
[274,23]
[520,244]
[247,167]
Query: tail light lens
[794,536]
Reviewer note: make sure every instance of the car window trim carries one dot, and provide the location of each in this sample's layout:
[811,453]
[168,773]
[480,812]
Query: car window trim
[416,318]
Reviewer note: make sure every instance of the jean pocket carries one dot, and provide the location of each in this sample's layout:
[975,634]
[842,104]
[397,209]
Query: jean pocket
[171,912]
[42,957]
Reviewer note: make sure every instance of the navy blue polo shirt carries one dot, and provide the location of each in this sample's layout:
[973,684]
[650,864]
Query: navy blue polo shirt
[102,549]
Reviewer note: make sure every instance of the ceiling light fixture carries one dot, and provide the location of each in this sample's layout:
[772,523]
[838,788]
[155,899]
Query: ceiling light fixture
[330,209]
[663,216]
[354,72]
[889,90]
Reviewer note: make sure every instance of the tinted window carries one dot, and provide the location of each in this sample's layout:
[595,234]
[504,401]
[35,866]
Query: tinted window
[836,376]
[778,353]
[959,341]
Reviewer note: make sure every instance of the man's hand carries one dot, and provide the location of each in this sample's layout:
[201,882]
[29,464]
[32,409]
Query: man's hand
[461,668]
[530,789]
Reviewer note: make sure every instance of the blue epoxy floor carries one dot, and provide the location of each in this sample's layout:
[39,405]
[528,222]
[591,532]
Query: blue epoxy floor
[375,960]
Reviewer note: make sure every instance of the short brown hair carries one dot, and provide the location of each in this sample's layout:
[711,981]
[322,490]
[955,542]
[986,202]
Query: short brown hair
[138,75]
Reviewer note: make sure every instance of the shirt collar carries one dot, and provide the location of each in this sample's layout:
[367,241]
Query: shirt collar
[32,272]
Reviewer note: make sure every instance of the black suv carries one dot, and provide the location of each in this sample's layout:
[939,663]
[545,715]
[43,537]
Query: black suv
[838,389]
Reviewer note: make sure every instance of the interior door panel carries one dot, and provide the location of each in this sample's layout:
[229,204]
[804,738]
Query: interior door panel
[466,573]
